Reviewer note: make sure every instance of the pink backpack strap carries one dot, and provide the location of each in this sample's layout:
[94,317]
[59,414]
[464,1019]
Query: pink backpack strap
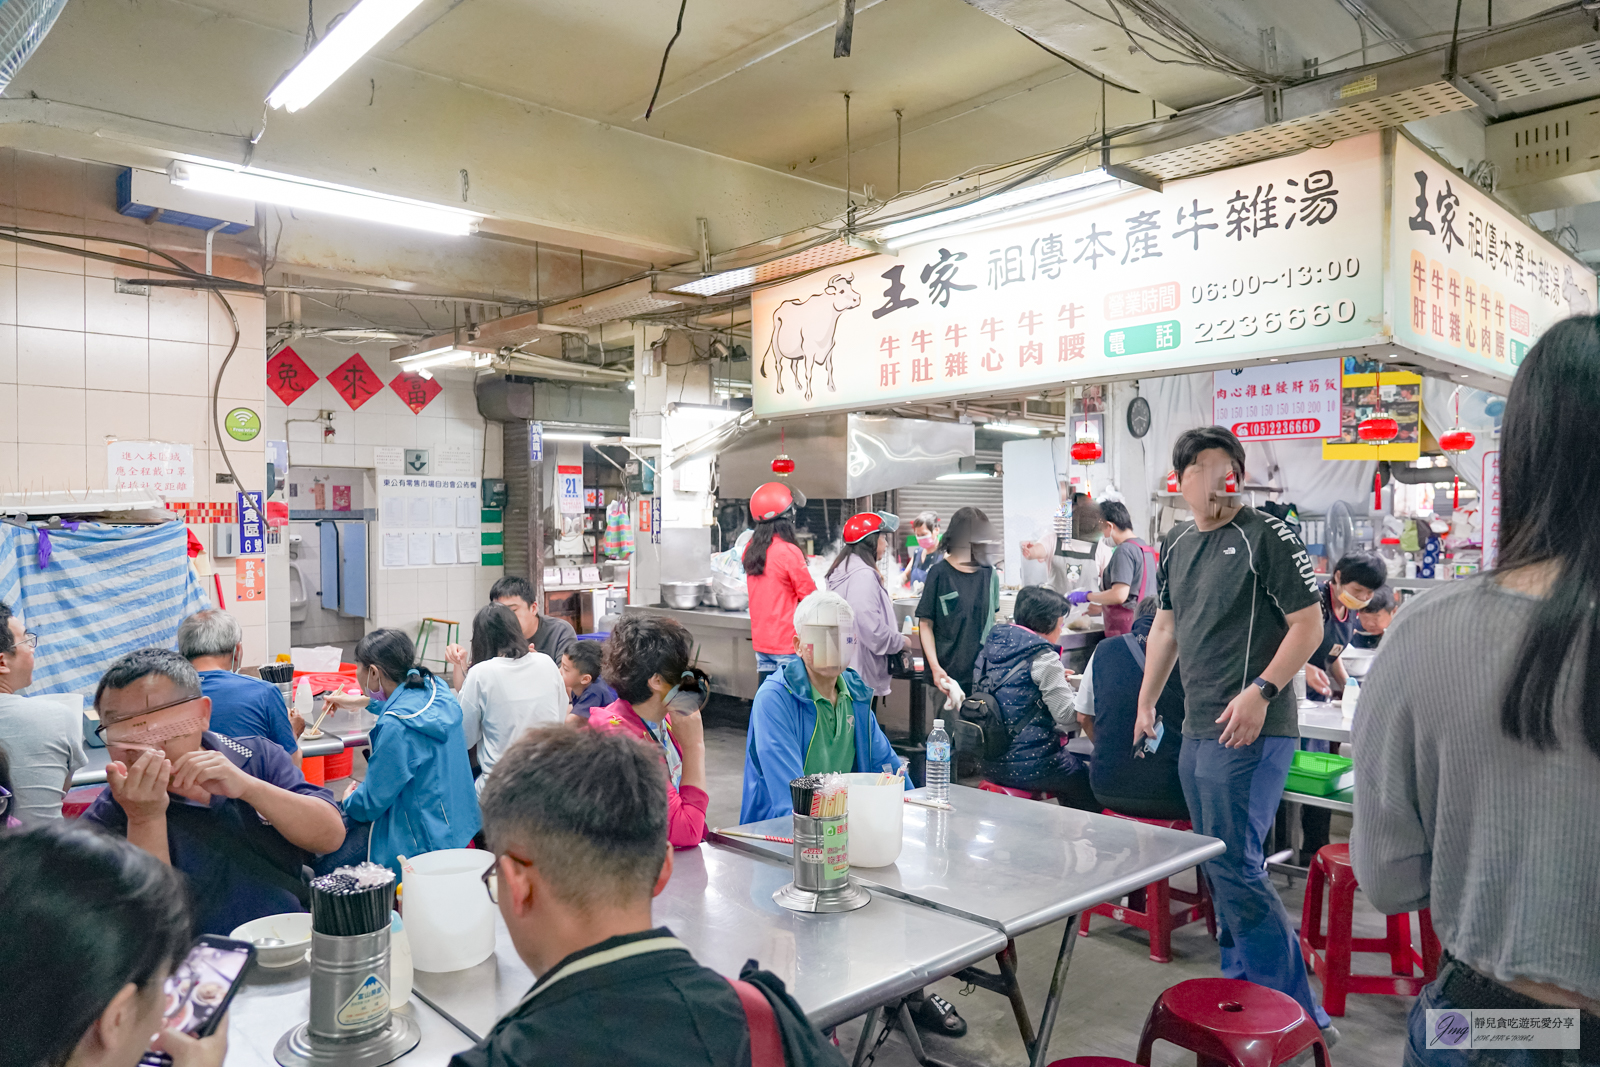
[766,1043]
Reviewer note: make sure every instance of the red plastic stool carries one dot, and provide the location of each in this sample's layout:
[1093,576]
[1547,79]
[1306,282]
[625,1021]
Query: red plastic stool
[1093,1061]
[77,801]
[1229,1021]
[1328,955]
[1150,908]
[1011,791]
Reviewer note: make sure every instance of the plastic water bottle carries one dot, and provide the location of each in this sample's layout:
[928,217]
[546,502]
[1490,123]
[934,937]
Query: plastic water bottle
[1347,701]
[937,775]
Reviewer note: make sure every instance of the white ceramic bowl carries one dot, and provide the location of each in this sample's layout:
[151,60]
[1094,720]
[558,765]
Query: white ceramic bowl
[292,928]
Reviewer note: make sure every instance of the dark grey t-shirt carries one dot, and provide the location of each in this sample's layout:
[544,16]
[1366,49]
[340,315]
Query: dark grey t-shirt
[555,636]
[1229,590]
[1126,566]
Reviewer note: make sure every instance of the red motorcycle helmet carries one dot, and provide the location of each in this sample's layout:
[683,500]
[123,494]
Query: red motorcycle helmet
[772,500]
[868,523]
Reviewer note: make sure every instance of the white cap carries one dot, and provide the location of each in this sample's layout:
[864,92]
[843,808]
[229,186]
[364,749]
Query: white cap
[824,607]
[938,724]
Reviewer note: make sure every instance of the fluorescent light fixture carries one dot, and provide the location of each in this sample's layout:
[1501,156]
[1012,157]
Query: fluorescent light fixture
[448,356]
[1013,427]
[966,476]
[562,435]
[248,183]
[719,283]
[362,27]
[1009,206]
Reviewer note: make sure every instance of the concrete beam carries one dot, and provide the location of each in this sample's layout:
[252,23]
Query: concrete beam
[137,84]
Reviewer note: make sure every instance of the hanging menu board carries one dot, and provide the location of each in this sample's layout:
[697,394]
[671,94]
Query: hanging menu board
[427,522]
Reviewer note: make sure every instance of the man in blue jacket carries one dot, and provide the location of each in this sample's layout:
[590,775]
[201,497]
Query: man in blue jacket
[814,716]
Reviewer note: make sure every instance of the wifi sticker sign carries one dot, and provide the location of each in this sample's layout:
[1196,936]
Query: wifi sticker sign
[242,424]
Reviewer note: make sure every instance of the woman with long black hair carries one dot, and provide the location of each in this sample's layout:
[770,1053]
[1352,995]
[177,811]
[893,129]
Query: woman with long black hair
[93,926]
[1477,739]
[775,575]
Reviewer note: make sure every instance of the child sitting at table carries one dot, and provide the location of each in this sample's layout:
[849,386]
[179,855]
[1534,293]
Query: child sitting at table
[580,670]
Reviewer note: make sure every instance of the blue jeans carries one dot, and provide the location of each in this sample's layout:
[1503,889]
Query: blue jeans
[768,664]
[1233,794]
[1418,1054]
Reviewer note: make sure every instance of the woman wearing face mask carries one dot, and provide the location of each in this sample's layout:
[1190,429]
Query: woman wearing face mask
[659,697]
[1356,578]
[417,794]
[959,599]
[854,576]
[93,927]
[925,553]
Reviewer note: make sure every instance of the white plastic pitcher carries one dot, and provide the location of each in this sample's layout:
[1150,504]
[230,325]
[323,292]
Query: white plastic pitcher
[449,919]
[877,819]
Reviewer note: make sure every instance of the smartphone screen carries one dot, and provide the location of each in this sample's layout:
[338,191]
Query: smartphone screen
[200,987]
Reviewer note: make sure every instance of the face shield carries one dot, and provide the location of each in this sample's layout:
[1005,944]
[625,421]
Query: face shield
[826,630]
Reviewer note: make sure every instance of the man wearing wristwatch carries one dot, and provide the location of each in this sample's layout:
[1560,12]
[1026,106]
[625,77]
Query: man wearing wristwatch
[1240,611]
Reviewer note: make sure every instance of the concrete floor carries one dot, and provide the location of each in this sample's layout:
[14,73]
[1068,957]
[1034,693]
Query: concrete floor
[1112,981]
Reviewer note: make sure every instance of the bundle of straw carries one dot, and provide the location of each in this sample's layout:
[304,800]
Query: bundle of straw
[819,795]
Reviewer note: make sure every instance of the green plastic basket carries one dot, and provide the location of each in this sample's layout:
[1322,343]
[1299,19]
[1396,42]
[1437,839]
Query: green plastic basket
[1320,774]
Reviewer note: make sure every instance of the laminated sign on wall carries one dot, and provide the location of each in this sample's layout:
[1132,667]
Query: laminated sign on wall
[421,520]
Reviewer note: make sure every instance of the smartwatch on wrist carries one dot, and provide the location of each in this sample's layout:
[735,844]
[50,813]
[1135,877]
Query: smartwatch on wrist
[1268,690]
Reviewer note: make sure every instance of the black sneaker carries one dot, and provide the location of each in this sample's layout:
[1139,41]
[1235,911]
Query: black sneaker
[938,1016]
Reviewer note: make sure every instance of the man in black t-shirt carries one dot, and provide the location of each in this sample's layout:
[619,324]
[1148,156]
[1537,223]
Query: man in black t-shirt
[1240,612]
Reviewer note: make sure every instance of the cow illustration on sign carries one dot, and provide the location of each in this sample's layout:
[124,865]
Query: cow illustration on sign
[803,331]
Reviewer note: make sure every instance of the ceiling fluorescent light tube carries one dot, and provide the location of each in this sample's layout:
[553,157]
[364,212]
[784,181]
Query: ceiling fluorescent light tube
[438,357]
[587,438]
[966,476]
[1013,427]
[267,187]
[362,27]
[1003,207]
[718,283]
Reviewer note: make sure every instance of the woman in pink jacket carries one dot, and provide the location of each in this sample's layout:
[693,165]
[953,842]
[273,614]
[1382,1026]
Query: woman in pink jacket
[646,660]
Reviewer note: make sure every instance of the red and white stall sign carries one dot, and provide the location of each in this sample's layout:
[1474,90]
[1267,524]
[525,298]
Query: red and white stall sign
[1491,509]
[1277,401]
[249,579]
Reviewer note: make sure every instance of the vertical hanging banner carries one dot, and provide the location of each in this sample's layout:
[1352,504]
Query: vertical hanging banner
[252,525]
[356,382]
[1479,284]
[535,442]
[1490,506]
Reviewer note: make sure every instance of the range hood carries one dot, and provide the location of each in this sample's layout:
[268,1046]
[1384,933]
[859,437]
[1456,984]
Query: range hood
[846,455]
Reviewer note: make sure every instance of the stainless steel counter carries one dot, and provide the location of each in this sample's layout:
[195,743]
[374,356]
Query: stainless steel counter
[722,645]
[273,1002]
[719,903]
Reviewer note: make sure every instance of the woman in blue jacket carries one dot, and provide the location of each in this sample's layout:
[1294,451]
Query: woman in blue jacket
[417,794]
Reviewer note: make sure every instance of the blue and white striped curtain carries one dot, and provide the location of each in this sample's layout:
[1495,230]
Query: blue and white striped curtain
[106,590]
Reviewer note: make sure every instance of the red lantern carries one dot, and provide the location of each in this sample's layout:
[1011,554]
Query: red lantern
[782,465]
[1378,429]
[1086,452]
[1454,442]
[1230,484]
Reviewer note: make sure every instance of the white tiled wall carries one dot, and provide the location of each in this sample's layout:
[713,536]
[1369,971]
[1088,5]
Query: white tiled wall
[403,597]
[81,364]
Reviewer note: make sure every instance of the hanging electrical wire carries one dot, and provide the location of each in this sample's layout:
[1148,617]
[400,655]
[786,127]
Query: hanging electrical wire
[662,73]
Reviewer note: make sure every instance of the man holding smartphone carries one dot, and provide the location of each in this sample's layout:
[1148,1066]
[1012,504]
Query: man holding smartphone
[1241,611]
